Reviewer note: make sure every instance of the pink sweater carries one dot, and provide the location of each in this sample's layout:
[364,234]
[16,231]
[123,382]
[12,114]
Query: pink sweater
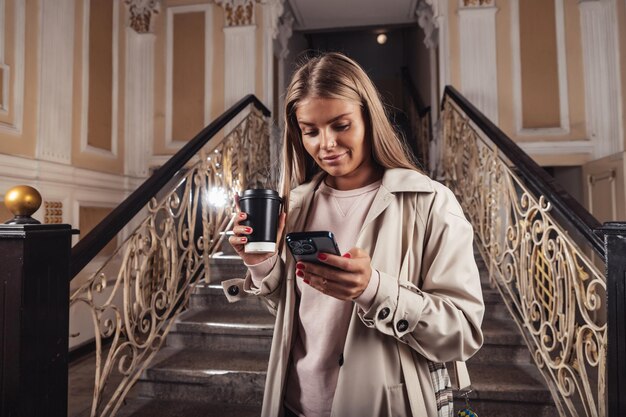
[323,320]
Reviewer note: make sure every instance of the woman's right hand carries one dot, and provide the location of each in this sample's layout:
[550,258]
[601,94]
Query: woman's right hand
[241,233]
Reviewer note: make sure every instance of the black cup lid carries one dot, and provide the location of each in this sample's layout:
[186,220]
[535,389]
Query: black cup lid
[260,193]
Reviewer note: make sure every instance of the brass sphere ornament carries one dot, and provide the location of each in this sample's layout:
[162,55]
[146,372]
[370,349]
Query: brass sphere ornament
[22,201]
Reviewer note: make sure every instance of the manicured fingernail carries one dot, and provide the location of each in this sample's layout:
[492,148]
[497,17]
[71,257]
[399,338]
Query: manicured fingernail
[248,229]
[299,265]
[347,255]
[322,256]
[243,239]
[306,281]
[242,215]
[300,273]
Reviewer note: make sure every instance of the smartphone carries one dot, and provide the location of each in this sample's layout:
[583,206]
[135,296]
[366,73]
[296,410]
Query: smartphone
[305,246]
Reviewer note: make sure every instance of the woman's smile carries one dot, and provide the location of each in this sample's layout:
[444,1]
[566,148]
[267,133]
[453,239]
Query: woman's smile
[334,159]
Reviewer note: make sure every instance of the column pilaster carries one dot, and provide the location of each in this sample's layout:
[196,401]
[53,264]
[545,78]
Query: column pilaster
[479,69]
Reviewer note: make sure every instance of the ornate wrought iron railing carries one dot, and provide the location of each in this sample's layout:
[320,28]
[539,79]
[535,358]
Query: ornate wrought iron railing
[419,120]
[548,281]
[135,297]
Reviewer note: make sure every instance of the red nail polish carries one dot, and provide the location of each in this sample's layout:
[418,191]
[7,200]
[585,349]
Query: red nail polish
[299,265]
[243,239]
[242,215]
[347,255]
[322,256]
[248,229]
[306,281]
[299,273]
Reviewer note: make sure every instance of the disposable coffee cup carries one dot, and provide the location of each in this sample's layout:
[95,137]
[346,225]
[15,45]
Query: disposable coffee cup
[263,209]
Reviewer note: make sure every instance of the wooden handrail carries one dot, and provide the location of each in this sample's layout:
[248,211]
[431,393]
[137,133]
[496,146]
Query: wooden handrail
[535,177]
[89,246]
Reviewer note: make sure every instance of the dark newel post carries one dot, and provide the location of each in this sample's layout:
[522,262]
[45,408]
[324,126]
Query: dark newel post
[34,319]
[615,245]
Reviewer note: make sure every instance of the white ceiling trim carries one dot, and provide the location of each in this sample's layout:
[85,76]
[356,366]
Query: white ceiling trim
[331,14]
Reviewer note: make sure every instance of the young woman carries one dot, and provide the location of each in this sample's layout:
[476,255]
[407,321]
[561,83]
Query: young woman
[366,333]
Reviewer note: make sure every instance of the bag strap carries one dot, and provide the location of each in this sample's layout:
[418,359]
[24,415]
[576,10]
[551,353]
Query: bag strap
[462,380]
[411,380]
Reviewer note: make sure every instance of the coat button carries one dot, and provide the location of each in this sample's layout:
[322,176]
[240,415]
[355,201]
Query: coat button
[384,313]
[402,325]
[233,290]
[341,360]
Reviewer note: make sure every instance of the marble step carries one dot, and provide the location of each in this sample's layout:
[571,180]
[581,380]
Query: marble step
[145,407]
[222,267]
[509,383]
[217,377]
[507,408]
[503,344]
[218,329]
[212,296]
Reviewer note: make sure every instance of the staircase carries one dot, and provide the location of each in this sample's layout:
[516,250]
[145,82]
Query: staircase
[217,353]
[505,380]
[215,359]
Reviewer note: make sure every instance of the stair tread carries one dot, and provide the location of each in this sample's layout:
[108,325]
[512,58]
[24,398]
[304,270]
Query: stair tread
[144,407]
[508,381]
[202,363]
[222,318]
[502,332]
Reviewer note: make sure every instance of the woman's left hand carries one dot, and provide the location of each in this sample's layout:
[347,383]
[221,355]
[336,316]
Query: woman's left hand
[343,277]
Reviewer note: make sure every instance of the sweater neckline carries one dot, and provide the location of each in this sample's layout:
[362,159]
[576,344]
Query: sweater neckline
[326,189]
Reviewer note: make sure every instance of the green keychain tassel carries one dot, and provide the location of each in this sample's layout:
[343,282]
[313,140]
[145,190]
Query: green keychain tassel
[467,411]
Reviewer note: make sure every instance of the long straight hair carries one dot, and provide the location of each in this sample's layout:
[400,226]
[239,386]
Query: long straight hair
[335,76]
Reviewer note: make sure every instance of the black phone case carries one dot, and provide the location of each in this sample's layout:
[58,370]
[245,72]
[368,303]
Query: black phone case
[305,246]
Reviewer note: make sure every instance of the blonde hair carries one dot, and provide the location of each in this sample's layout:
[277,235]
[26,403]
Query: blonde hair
[335,76]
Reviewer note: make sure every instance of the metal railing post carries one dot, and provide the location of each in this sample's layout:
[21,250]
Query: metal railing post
[615,246]
[34,318]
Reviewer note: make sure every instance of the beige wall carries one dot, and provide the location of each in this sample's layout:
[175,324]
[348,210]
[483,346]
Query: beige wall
[188,70]
[22,143]
[539,65]
[89,218]
[83,157]
[621,24]
[504,59]
[605,194]
[260,50]
[217,70]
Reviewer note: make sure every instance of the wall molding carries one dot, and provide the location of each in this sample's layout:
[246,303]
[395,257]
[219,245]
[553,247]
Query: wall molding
[479,66]
[14,169]
[272,11]
[564,126]
[54,142]
[84,128]
[170,143]
[557,147]
[17,102]
[603,89]
[240,55]
[6,74]
[140,14]
[139,102]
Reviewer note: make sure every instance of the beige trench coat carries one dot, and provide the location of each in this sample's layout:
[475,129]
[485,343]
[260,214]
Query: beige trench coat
[421,244]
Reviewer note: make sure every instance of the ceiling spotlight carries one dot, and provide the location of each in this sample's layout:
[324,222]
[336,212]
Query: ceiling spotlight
[381,39]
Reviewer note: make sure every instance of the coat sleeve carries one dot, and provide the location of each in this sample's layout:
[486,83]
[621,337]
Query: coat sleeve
[238,288]
[441,319]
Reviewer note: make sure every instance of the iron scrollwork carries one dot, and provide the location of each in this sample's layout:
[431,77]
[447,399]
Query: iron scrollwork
[550,285]
[136,296]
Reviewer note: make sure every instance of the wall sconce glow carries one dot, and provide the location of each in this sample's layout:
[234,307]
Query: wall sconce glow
[217,197]
[381,39]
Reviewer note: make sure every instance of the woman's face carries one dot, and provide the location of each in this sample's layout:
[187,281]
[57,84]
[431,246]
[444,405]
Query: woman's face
[333,133]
